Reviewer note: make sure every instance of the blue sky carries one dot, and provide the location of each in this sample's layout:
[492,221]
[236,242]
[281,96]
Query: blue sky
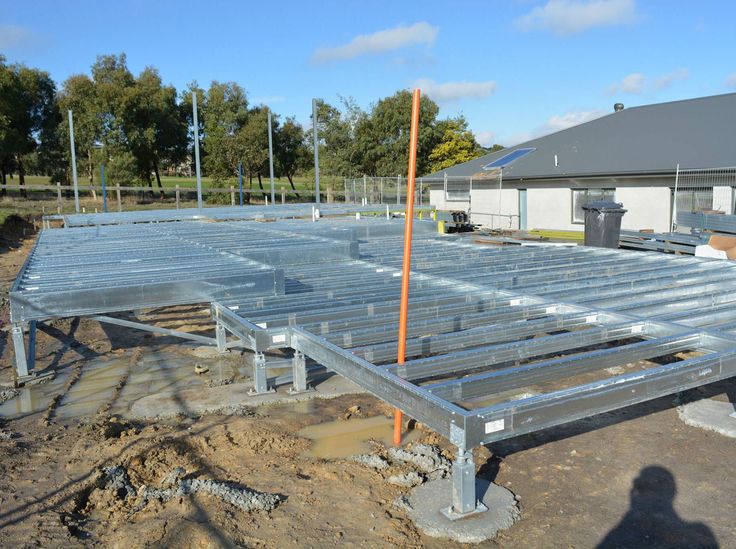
[516,69]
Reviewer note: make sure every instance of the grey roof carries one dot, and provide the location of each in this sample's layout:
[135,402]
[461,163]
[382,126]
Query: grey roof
[696,133]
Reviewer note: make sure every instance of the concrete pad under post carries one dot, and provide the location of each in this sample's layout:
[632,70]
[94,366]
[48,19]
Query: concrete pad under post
[711,415]
[429,502]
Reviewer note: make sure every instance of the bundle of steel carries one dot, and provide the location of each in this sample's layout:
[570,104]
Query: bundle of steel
[661,242]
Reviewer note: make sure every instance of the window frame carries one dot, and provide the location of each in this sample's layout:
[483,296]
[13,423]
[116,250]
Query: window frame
[603,196]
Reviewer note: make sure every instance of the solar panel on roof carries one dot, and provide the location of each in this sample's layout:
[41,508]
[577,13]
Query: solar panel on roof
[507,159]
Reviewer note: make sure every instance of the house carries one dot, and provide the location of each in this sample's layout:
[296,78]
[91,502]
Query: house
[630,156]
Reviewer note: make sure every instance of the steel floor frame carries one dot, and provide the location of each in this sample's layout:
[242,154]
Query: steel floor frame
[469,329]
[484,322]
[95,271]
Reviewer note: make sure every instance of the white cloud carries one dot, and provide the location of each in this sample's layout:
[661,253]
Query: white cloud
[15,37]
[565,17]
[559,122]
[633,83]
[666,80]
[379,42]
[637,82]
[731,81]
[451,91]
[556,123]
[485,138]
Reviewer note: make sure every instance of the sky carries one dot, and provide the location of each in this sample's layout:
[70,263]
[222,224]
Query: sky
[516,69]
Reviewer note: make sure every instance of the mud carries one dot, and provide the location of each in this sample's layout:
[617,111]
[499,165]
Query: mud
[343,438]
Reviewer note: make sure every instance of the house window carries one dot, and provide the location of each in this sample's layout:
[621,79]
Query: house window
[581,197]
[457,191]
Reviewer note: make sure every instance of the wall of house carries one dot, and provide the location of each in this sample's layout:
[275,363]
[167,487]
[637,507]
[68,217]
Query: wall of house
[549,203]
[437,198]
[550,209]
[646,208]
[484,208]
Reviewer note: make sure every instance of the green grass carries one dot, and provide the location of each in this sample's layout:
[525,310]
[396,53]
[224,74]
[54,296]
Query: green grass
[300,182]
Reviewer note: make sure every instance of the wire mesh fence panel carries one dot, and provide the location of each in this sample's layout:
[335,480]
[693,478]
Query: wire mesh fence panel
[703,191]
[384,190]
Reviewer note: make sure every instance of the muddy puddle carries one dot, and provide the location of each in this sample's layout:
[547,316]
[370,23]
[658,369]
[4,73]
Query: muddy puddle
[118,382]
[344,438]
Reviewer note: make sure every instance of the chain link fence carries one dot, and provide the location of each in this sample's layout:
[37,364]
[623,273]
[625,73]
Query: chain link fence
[705,190]
[384,190]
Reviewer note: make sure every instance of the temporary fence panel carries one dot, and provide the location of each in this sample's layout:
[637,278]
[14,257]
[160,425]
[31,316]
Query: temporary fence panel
[706,190]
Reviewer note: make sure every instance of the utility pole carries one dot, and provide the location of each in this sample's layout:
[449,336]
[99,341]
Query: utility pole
[196,149]
[270,159]
[74,162]
[316,151]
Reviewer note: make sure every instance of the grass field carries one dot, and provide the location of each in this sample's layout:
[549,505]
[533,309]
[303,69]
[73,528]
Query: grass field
[40,201]
[300,182]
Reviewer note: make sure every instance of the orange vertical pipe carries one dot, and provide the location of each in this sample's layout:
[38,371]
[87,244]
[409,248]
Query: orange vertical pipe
[406,267]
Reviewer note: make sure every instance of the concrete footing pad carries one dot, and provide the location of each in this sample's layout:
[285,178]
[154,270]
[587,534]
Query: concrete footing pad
[712,415]
[428,500]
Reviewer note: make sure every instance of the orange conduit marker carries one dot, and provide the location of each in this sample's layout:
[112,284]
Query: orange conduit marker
[406,267]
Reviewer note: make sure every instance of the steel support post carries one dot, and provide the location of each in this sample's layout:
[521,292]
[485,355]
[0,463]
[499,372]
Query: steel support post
[21,358]
[260,375]
[464,500]
[299,372]
[221,337]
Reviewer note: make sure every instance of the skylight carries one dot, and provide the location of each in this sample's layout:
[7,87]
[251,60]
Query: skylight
[507,159]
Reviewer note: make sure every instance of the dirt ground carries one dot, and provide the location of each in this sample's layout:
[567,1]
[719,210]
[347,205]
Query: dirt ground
[638,477]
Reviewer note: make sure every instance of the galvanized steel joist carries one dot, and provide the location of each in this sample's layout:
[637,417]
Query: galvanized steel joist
[506,341]
[501,341]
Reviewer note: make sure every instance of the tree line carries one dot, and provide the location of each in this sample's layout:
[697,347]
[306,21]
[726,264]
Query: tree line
[139,128]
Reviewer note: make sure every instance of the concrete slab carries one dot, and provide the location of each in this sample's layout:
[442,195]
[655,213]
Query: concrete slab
[712,415]
[428,500]
[207,400]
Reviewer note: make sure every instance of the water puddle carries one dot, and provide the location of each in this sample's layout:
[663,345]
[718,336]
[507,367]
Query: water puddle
[343,438]
[154,372]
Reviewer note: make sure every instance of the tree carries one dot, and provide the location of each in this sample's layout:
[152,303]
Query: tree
[252,144]
[78,95]
[383,135]
[458,145]
[152,123]
[224,113]
[28,115]
[291,153]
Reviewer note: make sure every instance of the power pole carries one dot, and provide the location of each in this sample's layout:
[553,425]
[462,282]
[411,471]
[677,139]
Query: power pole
[74,162]
[196,149]
[316,151]
[270,159]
